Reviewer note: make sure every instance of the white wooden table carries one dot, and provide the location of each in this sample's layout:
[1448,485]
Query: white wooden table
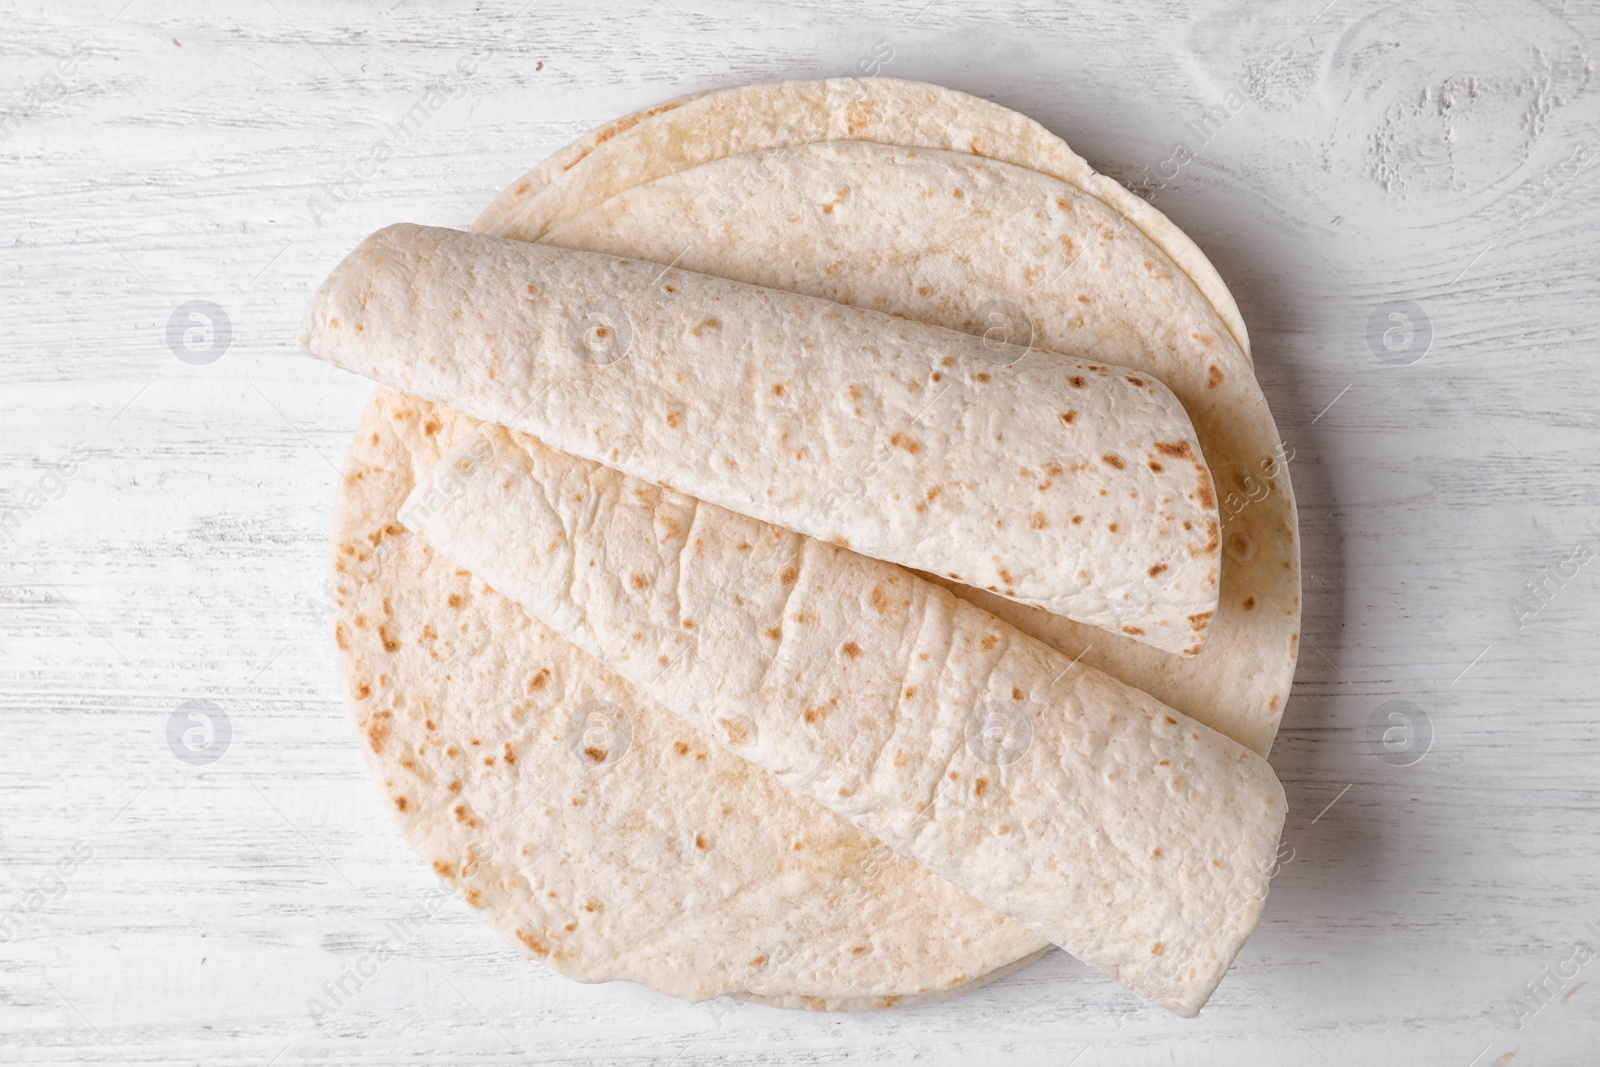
[1404,200]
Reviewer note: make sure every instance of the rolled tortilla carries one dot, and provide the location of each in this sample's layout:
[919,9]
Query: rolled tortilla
[1133,837]
[1053,481]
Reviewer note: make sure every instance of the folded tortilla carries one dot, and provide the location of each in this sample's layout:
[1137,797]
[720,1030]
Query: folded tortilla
[1133,837]
[951,238]
[1056,482]
[596,831]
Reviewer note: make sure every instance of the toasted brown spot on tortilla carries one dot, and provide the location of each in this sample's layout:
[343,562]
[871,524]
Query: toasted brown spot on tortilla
[534,944]
[1208,499]
[910,693]
[706,324]
[858,116]
[377,733]
[1156,466]
[681,747]
[1249,603]
[1140,382]
[1078,381]
[777,390]
[981,377]
[908,444]
[1156,568]
[1068,417]
[980,786]
[1113,460]
[1213,377]
[1273,703]
[736,732]
[1170,720]
[595,753]
[788,575]
[700,841]
[674,418]
[851,649]
[1205,340]
[400,803]
[773,632]
[454,600]
[1155,949]
[989,641]
[638,581]
[1134,630]
[1174,450]
[1038,520]
[1111,526]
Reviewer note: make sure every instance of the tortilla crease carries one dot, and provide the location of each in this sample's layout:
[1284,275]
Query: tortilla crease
[978,245]
[1058,482]
[588,825]
[1081,807]
[783,114]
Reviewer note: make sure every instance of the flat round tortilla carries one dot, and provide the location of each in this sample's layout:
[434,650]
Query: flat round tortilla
[890,111]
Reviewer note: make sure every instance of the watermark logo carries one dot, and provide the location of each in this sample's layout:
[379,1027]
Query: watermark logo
[1539,592]
[338,191]
[599,733]
[51,886]
[600,332]
[1005,330]
[1399,733]
[52,485]
[1531,198]
[999,732]
[199,732]
[199,332]
[49,87]
[1399,333]
[1539,992]
[399,933]
[440,490]
[1211,124]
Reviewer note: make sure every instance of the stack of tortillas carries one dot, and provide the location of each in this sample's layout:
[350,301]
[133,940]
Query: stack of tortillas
[819,542]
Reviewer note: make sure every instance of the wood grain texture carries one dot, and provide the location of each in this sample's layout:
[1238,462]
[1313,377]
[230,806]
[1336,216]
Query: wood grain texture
[1331,162]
